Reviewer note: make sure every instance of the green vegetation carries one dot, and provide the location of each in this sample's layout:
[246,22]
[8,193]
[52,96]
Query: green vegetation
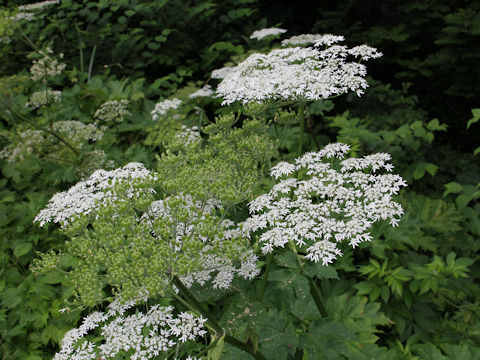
[88,85]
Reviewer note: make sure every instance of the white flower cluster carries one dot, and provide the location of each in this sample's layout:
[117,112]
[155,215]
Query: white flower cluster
[77,132]
[38,5]
[47,65]
[20,16]
[206,91]
[192,226]
[27,12]
[185,137]
[297,73]
[112,111]
[145,335]
[329,206]
[263,33]
[86,196]
[164,106]
[222,72]
[317,39]
[29,140]
[44,97]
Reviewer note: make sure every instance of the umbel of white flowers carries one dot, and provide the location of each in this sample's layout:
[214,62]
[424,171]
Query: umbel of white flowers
[331,201]
[298,73]
[263,33]
[163,107]
[143,335]
[88,195]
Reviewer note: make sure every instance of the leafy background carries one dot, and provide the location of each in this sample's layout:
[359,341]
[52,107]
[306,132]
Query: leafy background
[412,293]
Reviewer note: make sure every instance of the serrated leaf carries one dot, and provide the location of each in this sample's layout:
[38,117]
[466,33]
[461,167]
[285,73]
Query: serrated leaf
[312,269]
[288,259]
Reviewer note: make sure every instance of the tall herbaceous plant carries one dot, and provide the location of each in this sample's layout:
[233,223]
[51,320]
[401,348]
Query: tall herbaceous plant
[154,248]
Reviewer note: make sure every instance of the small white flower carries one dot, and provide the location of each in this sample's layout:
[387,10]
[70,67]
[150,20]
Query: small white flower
[282,168]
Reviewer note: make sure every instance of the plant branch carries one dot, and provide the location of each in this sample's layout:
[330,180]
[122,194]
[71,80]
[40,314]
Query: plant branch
[49,131]
[211,322]
[265,276]
[316,297]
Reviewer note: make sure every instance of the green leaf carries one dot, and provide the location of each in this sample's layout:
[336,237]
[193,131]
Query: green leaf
[21,249]
[452,188]
[312,269]
[435,125]
[216,352]
[288,259]
[318,107]
[475,118]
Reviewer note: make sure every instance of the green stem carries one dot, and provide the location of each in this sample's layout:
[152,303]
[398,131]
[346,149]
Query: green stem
[245,347]
[49,131]
[313,287]
[316,297]
[210,346]
[196,304]
[90,65]
[301,115]
[211,322]
[265,276]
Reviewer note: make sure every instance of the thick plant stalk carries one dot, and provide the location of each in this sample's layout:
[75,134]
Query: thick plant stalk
[316,297]
[213,324]
[265,276]
[49,131]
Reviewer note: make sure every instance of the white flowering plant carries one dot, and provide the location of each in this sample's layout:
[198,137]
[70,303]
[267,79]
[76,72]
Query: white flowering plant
[208,225]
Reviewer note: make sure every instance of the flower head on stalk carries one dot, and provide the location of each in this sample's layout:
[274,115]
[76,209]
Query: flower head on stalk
[263,33]
[331,200]
[144,335]
[298,73]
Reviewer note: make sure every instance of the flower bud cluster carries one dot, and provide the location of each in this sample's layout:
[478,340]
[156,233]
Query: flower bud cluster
[77,132]
[87,196]
[46,66]
[94,160]
[112,111]
[186,137]
[44,97]
[189,223]
[142,335]
[263,33]
[330,201]
[27,143]
[163,107]
[297,73]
